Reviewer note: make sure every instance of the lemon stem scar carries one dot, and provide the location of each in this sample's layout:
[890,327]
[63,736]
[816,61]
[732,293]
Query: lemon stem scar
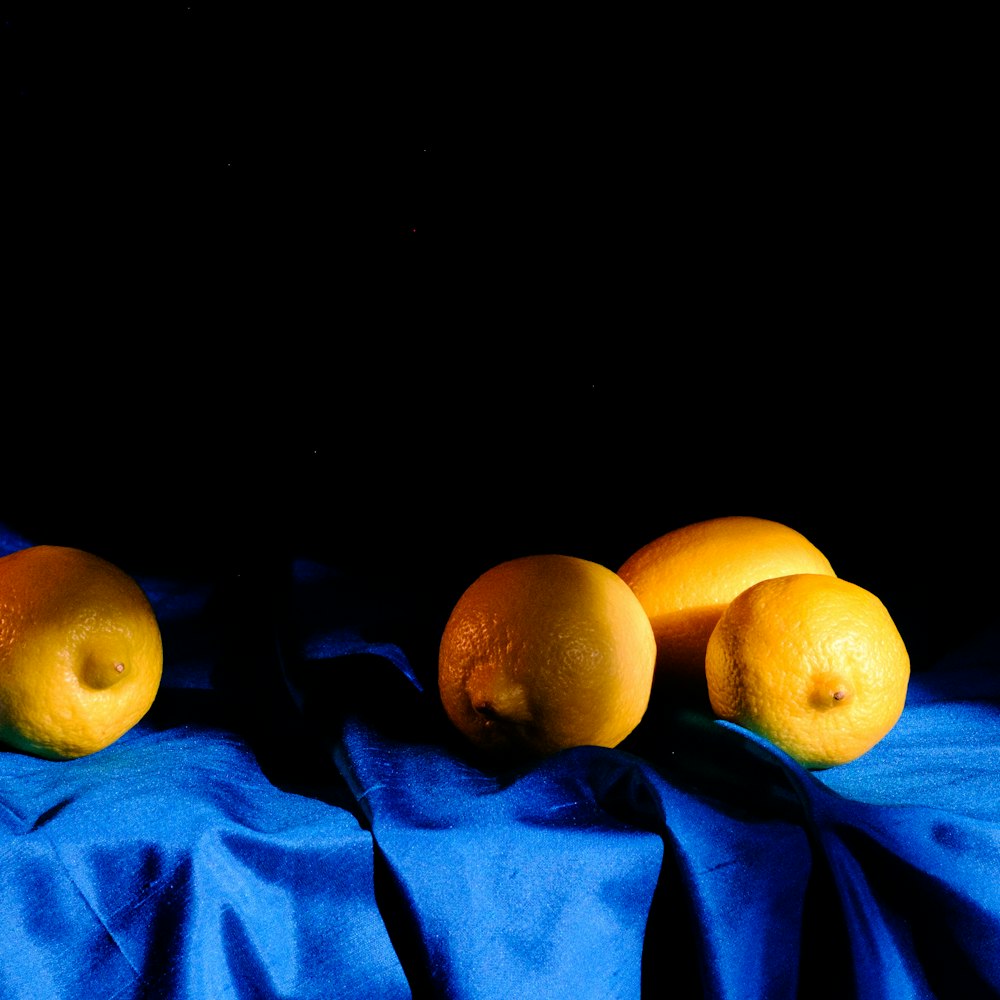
[830,694]
[99,673]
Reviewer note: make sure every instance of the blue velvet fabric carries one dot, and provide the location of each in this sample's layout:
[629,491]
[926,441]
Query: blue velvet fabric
[296,819]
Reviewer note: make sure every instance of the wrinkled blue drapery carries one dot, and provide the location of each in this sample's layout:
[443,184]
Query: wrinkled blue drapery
[294,818]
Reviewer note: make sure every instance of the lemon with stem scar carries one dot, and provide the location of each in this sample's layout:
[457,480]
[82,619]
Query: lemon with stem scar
[81,655]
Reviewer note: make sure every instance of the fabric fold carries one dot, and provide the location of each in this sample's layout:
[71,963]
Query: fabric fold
[178,870]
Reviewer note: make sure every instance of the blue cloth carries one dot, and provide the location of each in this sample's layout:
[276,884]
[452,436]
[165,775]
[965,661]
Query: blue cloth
[296,818]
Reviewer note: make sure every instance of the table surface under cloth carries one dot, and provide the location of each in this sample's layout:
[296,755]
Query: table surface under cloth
[295,818]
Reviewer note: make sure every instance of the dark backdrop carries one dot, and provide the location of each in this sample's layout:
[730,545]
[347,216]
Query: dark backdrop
[412,306]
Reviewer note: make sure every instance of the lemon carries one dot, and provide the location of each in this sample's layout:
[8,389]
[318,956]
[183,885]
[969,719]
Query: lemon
[81,655]
[811,662]
[686,578]
[546,652]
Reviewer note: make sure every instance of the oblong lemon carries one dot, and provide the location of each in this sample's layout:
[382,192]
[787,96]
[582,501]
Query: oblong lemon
[686,578]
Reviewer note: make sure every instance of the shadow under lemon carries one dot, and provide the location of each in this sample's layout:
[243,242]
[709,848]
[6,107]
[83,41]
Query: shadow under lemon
[681,642]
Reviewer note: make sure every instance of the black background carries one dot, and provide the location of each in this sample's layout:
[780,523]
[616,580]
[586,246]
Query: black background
[416,297]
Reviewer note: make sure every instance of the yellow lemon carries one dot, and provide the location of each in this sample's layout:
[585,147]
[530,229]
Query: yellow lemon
[80,652]
[686,578]
[546,652]
[811,662]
